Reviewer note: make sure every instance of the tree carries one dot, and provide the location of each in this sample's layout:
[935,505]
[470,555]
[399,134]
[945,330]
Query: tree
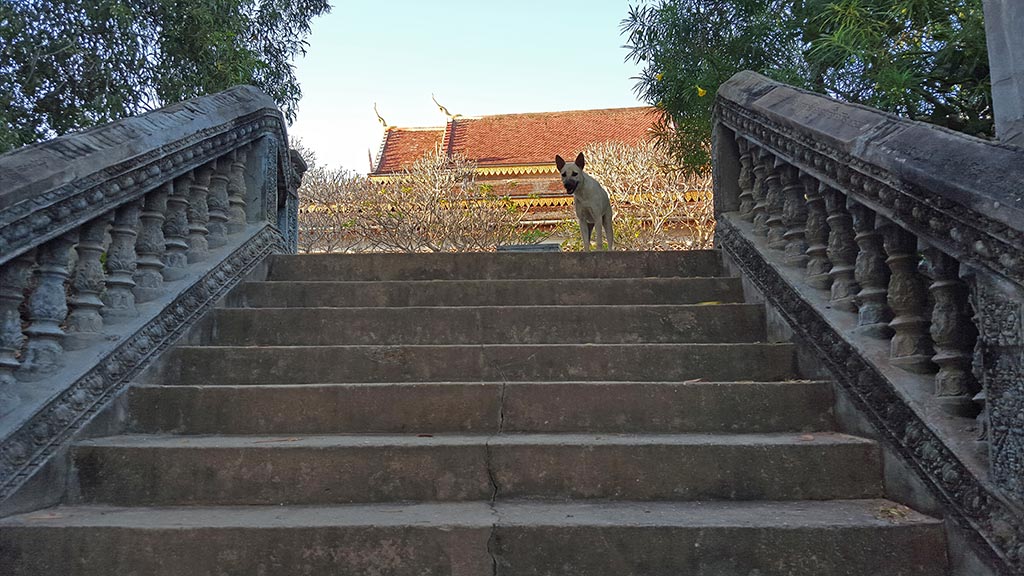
[66,65]
[925,59]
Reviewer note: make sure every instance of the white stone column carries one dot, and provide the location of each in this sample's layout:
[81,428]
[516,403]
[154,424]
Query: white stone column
[1004,32]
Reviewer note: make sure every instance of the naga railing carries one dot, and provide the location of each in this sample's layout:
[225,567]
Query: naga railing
[114,241]
[892,248]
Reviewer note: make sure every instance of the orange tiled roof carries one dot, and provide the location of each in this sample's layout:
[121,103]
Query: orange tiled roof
[522,139]
[403,146]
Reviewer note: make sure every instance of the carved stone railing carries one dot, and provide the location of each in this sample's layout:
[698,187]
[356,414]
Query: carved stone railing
[895,251]
[114,241]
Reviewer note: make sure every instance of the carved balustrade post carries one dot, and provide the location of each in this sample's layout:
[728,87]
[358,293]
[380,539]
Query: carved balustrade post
[199,214]
[999,365]
[119,298]
[217,202]
[176,230]
[952,332]
[236,191]
[13,279]
[151,245]
[47,309]
[911,346]
[775,200]
[746,180]
[842,251]
[794,216]
[84,322]
[818,264]
[761,161]
[873,313]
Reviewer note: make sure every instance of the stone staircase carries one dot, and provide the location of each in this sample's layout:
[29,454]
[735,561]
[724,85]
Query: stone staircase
[604,414]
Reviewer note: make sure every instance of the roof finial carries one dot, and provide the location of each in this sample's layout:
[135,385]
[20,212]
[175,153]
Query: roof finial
[443,109]
[379,119]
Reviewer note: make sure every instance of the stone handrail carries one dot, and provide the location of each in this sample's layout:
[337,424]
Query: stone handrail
[114,241]
[858,226]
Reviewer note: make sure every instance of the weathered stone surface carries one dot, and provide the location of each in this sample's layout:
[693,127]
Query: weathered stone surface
[504,265]
[1004,20]
[836,538]
[527,292]
[484,407]
[489,325]
[213,365]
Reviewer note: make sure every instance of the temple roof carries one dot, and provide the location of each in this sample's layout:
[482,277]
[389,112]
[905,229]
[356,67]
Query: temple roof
[516,140]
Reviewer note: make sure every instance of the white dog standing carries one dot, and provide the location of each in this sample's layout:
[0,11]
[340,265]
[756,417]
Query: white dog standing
[593,208]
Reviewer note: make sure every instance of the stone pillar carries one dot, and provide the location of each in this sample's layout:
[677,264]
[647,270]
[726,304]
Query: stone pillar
[1004,32]
[13,279]
[85,322]
[47,309]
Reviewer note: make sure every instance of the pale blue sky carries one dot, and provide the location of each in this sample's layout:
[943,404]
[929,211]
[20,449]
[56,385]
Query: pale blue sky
[478,57]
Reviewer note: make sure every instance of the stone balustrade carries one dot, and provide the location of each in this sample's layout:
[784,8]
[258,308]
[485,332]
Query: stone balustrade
[917,234]
[114,241]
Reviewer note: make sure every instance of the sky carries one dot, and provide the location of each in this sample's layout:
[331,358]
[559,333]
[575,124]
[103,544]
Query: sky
[477,57]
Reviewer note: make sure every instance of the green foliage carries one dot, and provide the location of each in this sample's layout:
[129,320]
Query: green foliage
[925,59]
[66,65]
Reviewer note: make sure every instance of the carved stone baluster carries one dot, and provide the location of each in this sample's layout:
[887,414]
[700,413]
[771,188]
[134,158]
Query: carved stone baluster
[911,346]
[217,203]
[818,264]
[952,332]
[776,202]
[198,214]
[842,251]
[873,313]
[47,309]
[236,192]
[13,279]
[176,230]
[150,246]
[84,323]
[119,299]
[746,181]
[760,210]
[794,216]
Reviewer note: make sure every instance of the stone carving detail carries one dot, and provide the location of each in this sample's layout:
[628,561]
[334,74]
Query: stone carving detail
[873,314]
[236,192]
[775,201]
[952,332]
[119,299]
[760,210]
[13,279]
[176,230]
[967,499]
[217,203]
[84,322]
[1000,364]
[199,214]
[794,216]
[47,309]
[150,246]
[842,251]
[817,231]
[28,448]
[911,345]
[746,180]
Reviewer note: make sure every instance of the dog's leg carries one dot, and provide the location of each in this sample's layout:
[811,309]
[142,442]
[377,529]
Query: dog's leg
[607,221]
[585,228]
[600,230]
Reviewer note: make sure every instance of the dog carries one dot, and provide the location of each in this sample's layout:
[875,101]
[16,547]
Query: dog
[593,207]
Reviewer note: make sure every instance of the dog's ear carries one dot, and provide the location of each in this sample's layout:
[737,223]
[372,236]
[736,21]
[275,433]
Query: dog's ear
[559,162]
[580,161]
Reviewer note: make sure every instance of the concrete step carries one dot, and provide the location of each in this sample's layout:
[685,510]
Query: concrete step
[212,365]
[801,538]
[500,265]
[528,292]
[260,470]
[489,325]
[484,407]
